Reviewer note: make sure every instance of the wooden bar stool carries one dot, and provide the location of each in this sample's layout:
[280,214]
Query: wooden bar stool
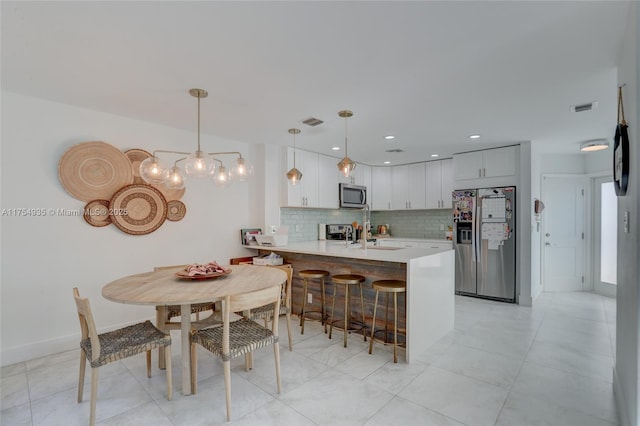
[313,274]
[347,280]
[388,287]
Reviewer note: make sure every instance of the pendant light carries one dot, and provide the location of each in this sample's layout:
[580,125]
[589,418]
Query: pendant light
[294,175]
[346,165]
[198,164]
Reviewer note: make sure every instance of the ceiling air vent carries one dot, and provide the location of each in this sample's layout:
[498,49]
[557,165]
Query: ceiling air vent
[312,121]
[394,150]
[584,107]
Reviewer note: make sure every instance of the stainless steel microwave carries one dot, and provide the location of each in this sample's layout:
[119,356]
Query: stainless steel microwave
[352,196]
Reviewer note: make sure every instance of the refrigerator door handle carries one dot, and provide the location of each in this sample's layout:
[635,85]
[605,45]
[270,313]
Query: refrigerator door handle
[476,228]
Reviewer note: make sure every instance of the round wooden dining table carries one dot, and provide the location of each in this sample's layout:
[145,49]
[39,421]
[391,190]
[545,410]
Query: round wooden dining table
[163,287]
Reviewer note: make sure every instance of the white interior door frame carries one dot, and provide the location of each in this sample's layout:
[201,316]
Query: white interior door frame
[599,287]
[584,255]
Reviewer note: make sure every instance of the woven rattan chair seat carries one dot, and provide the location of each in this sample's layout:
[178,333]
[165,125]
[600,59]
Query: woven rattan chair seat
[267,311]
[174,310]
[125,342]
[244,336]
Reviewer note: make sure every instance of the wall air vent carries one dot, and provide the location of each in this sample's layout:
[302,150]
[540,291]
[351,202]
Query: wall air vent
[394,150]
[312,121]
[584,107]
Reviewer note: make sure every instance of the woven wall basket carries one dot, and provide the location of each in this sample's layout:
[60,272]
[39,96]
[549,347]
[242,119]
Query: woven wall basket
[138,209]
[94,170]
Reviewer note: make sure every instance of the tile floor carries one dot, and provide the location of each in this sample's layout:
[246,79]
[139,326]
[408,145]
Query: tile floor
[502,365]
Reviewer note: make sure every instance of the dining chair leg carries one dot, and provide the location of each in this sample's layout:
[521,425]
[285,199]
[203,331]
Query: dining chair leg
[276,355]
[227,387]
[324,309]
[94,395]
[288,316]
[149,363]
[83,365]
[167,357]
[304,305]
[395,328]
[347,313]
[161,314]
[194,369]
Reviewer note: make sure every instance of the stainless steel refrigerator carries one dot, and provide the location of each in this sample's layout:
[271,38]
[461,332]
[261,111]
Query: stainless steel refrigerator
[484,240]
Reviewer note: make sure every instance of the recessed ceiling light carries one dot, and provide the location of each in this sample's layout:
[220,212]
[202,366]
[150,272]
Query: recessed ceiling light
[389,137]
[474,136]
[386,162]
[434,155]
[335,148]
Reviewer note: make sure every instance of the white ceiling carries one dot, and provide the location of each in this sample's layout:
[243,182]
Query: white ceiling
[430,73]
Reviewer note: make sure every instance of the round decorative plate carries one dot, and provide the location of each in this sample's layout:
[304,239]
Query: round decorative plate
[96,213]
[94,171]
[175,210]
[169,194]
[137,156]
[138,209]
[185,276]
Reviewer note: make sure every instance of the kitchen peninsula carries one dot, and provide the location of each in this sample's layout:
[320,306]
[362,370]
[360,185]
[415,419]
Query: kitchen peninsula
[429,273]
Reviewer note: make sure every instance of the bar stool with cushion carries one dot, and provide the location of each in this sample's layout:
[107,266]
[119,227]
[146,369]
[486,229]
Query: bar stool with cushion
[347,280]
[313,274]
[388,287]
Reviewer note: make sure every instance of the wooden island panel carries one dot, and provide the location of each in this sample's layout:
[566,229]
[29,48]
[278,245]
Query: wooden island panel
[372,270]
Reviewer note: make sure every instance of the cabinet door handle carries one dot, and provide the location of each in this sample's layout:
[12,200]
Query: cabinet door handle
[479,173]
[484,172]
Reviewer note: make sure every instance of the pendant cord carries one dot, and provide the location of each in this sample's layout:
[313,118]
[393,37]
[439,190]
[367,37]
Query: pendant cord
[198,122]
[346,151]
[621,108]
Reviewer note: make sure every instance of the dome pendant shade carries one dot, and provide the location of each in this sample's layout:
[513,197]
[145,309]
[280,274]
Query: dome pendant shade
[294,176]
[173,178]
[152,170]
[199,165]
[346,165]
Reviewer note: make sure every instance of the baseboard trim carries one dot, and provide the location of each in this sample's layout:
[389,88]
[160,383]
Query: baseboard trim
[621,402]
[50,347]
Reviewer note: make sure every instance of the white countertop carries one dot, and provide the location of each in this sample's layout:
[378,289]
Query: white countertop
[338,249]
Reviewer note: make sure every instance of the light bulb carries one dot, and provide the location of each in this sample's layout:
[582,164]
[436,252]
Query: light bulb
[221,177]
[242,171]
[199,165]
[152,170]
[173,178]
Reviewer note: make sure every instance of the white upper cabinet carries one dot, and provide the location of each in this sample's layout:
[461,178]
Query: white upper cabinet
[380,192]
[439,184]
[362,176]
[408,187]
[489,163]
[305,193]
[328,179]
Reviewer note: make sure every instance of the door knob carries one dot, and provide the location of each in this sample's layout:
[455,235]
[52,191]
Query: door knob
[547,244]
[547,234]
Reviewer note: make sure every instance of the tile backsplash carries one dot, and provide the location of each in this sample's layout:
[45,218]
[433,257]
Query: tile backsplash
[303,222]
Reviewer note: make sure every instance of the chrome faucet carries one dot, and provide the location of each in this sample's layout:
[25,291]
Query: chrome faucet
[366,225]
[348,232]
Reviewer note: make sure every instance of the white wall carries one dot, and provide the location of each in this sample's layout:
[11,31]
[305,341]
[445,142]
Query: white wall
[43,258]
[626,380]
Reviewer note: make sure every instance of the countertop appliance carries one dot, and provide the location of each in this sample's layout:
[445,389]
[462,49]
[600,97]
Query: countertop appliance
[337,231]
[352,196]
[484,242]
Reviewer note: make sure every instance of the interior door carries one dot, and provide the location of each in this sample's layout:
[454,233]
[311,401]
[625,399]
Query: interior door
[563,224]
